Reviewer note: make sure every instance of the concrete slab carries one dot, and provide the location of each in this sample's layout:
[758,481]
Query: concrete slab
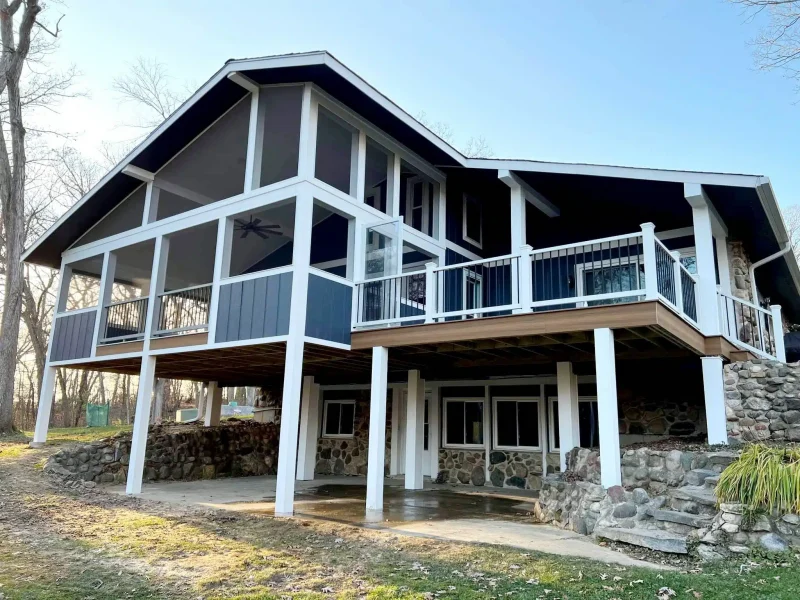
[448,513]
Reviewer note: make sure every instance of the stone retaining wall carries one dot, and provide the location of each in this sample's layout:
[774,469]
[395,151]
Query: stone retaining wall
[732,532]
[175,451]
[652,470]
[762,401]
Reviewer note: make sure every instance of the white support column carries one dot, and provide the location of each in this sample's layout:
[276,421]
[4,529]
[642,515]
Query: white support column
[106,285]
[518,222]
[157,277]
[144,398]
[441,227]
[307,153]
[434,405]
[222,267]
[309,430]
[63,290]
[202,401]
[707,305]
[213,404]
[650,267]
[415,424]
[158,408]
[394,191]
[255,143]
[569,433]
[293,370]
[359,165]
[396,460]
[45,406]
[777,328]
[606,372]
[377,430]
[524,281]
[487,431]
[151,199]
[714,392]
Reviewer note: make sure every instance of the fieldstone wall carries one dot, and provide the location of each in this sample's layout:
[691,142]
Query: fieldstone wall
[762,401]
[461,466]
[651,470]
[739,264]
[348,456]
[175,451]
[734,532]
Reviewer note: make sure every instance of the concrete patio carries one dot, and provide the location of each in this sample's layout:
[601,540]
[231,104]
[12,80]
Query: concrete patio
[443,512]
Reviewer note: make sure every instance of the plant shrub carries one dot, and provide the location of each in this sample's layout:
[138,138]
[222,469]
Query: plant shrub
[764,477]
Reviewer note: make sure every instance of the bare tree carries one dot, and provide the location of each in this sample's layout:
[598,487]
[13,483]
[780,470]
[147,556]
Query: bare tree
[777,46]
[148,85]
[475,147]
[15,49]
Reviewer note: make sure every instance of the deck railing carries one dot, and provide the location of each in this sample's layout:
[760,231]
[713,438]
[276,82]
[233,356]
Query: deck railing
[184,311]
[124,321]
[749,325]
[611,270]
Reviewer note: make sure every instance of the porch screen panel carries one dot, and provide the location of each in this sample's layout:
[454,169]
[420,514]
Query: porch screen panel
[280,109]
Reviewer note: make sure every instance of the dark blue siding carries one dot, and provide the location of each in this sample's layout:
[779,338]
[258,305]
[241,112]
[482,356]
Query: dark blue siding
[72,336]
[254,308]
[329,308]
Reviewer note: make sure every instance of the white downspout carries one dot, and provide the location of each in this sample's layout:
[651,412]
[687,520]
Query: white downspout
[761,262]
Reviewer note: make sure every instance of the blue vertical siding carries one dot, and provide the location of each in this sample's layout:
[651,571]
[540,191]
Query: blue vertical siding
[329,309]
[254,308]
[73,336]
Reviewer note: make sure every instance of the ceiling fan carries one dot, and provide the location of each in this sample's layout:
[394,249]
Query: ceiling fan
[253,226]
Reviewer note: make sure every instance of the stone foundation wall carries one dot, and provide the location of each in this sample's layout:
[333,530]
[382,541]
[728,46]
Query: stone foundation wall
[461,466]
[651,470]
[175,452]
[348,456]
[521,470]
[762,401]
[732,532]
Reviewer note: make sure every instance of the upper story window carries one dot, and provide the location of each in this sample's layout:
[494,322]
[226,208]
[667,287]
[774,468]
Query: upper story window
[379,163]
[208,170]
[472,230]
[336,147]
[279,110]
[418,199]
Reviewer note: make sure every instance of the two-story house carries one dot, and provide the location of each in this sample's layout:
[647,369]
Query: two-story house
[291,227]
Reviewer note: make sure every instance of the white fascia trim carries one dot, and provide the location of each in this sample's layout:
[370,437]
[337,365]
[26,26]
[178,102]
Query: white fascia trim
[770,204]
[615,171]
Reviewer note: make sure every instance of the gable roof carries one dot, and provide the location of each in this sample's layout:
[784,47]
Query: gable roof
[219,93]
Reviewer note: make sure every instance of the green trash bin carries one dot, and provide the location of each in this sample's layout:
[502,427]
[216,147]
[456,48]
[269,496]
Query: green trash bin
[97,415]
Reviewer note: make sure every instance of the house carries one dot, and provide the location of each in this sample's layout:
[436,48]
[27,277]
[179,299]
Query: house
[420,312]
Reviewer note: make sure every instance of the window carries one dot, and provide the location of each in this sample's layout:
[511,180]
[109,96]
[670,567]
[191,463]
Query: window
[587,421]
[516,424]
[335,148]
[473,221]
[463,422]
[339,418]
[376,176]
[473,291]
[607,276]
[417,199]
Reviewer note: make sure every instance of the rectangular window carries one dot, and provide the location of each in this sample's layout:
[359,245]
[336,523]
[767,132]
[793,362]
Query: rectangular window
[336,142]
[588,424]
[339,420]
[376,176]
[516,424]
[418,199]
[463,422]
[425,428]
[473,221]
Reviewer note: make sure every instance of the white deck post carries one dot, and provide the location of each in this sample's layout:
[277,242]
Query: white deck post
[222,267]
[678,280]
[144,398]
[106,286]
[777,330]
[650,267]
[415,424]
[309,429]
[377,430]
[396,461]
[606,372]
[433,429]
[714,392]
[569,433]
[213,404]
[524,282]
[158,408]
[430,292]
[707,305]
[45,406]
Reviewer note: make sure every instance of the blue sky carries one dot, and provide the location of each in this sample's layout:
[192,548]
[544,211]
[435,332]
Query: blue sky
[661,83]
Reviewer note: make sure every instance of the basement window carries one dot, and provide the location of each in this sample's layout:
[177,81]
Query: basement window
[516,424]
[463,420]
[339,419]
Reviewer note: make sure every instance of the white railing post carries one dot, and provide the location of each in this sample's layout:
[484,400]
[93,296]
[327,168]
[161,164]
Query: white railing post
[524,284]
[650,268]
[678,280]
[430,292]
[777,329]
